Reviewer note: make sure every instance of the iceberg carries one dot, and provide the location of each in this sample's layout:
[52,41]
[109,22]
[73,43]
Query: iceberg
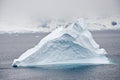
[68,46]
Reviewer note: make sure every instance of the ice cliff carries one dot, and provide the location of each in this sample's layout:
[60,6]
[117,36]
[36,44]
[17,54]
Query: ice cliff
[68,46]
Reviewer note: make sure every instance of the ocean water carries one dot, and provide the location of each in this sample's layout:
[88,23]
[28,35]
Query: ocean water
[13,45]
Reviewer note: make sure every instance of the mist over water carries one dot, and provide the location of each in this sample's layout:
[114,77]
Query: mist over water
[45,15]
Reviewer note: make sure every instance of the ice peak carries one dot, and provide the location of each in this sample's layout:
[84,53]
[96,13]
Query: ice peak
[77,25]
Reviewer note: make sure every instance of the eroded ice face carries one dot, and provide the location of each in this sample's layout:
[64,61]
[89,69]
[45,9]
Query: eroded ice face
[72,45]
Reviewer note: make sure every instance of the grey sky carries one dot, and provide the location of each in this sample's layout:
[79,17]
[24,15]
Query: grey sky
[26,9]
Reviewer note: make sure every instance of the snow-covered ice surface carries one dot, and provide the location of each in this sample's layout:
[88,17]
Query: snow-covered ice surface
[68,46]
[49,24]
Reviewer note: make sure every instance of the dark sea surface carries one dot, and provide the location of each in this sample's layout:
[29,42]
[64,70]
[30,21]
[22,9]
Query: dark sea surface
[13,45]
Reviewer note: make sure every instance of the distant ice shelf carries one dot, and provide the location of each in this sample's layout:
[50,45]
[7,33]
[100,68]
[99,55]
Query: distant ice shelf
[49,25]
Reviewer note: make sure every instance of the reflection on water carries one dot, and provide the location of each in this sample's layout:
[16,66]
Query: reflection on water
[102,72]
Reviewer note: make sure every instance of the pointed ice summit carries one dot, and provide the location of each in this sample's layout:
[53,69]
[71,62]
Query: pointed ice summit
[68,46]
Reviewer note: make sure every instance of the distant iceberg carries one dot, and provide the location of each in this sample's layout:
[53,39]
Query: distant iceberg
[68,46]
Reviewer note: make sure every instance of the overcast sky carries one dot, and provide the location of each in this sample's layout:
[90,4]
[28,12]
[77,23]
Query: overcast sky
[27,9]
